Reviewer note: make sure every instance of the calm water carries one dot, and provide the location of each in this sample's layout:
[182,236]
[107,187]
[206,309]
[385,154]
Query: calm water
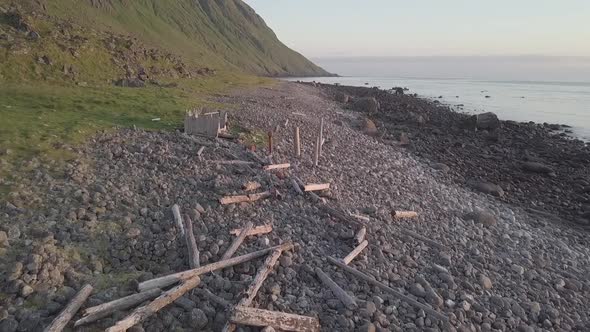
[552,102]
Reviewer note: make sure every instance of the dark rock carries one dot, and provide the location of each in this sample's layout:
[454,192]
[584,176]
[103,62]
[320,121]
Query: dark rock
[8,325]
[366,105]
[341,97]
[482,217]
[369,127]
[198,319]
[536,167]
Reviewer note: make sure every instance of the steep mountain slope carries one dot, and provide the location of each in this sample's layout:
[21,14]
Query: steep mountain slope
[213,33]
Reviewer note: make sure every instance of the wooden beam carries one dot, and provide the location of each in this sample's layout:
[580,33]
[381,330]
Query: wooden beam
[261,276]
[142,313]
[388,289]
[297,141]
[278,320]
[194,257]
[404,214]
[237,241]
[106,309]
[316,187]
[165,281]
[276,166]
[244,198]
[258,230]
[178,218]
[64,317]
[346,299]
[346,260]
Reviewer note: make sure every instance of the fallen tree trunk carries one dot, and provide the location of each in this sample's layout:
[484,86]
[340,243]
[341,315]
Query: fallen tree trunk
[346,260]
[258,230]
[261,276]
[165,281]
[278,320]
[388,289]
[244,198]
[178,218]
[237,241]
[106,309]
[194,259]
[142,313]
[346,299]
[60,322]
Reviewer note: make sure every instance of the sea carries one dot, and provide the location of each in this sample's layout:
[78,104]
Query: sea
[552,90]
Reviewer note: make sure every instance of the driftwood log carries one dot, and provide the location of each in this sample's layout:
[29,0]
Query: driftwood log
[106,309]
[321,135]
[142,313]
[276,166]
[338,214]
[178,218]
[316,156]
[346,299]
[231,162]
[361,217]
[194,259]
[297,141]
[261,276]
[258,230]
[404,214]
[165,281]
[346,260]
[64,317]
[281,321]
[296,187]
[237,241]
[388,289]
[200,152]
[425,240]
[212,297]
[244,198]
[316,187]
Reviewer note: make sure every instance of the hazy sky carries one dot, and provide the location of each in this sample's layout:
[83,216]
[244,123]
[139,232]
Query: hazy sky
[319,28]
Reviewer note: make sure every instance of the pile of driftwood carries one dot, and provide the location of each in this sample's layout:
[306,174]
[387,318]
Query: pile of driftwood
[165,290]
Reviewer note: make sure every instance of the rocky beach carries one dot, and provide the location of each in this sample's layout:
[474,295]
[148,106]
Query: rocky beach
[499,243]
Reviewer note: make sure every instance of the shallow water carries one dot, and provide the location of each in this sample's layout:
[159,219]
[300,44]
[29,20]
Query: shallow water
[552,102]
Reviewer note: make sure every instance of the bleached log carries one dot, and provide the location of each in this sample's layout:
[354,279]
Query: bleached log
[64,317]
[142,313]
[404,214]
[425,240]
[276,166]
[178,218]
[212,297]
[316,156]
[194,257]
[355,252]
[258,230]
[237,241]
[300,114]
[348,301]
[200,152]
[231,162]
[106,309]
[296,187]
[278,320]
[316,187]
[165,281]
[244,198]
[360,235]
[251,186]
[321,136]
[361,217]
[261,276]
[388,289]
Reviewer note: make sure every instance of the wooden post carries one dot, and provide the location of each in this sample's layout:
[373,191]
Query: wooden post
[261,276]
[346,299]
[258,230]
[178,217]
[321,135]
[237,241]
[142,313]
[104,310]
[346,260]
[388,289]
[165,281]
[316,156]
[278,320]
[270,142]
[60,322]
[297,143]
[194,259]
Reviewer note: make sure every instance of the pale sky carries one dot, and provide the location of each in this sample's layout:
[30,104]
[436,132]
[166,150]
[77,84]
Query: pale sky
[320,28]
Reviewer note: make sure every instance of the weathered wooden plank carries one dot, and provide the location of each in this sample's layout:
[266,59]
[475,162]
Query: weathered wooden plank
[279,320]
[60,322]
[346,299]
[194,257]
[346,260]
[258,230]
[237,241]
[316,187]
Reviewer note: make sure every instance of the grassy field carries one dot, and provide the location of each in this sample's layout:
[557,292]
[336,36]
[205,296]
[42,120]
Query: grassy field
[38,120]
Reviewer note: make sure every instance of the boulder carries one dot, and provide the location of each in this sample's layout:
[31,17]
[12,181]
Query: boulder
[487,188]
[535,167]
[367,105]
[130,83]
[369,127]
[482,217]
[487,120]
[341,97]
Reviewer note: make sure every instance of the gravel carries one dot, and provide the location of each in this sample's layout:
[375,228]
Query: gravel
[107,220]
